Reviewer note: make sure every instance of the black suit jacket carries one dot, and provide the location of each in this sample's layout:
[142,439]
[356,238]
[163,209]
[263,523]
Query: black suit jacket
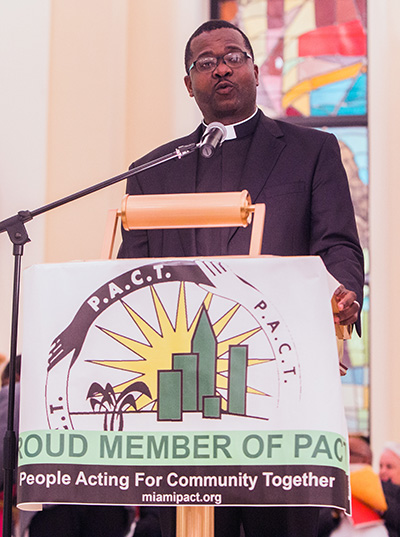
[297,172]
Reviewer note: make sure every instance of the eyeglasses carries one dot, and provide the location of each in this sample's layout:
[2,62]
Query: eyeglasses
[233,59]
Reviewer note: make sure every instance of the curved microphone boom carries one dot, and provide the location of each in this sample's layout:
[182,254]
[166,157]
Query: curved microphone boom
[213,136]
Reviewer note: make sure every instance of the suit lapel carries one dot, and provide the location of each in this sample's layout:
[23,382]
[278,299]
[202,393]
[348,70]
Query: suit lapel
[266,146]
[264,151]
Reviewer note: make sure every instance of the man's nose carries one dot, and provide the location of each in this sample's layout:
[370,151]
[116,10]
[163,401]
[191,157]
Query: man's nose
[222,69]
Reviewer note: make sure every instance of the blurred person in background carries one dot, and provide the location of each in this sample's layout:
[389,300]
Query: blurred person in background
[389,472]
[373,513]
[389,463]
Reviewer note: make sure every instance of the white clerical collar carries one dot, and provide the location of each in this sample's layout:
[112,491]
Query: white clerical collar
[230,129]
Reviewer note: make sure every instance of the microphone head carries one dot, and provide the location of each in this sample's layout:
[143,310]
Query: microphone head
[216,125]
[213,136]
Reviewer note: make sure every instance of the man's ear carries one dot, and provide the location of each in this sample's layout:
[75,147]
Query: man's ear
[188,84]
[256,74]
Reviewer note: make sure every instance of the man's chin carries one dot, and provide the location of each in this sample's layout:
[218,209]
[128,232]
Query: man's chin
[226,113]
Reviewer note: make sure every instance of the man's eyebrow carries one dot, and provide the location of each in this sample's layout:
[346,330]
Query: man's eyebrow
[229,48]
[206,53]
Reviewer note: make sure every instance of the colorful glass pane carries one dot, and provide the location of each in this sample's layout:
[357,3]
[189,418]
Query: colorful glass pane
[311,54]
[353,143]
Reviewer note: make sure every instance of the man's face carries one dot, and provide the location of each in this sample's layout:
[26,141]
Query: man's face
[226,94]
[389,467]
[360,452]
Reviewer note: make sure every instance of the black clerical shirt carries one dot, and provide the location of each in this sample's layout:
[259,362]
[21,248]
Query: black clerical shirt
[222,173]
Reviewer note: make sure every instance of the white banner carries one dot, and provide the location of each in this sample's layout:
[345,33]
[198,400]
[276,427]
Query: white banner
[184,381]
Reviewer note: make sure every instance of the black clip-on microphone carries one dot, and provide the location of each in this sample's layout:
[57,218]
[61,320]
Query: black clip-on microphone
[213,136]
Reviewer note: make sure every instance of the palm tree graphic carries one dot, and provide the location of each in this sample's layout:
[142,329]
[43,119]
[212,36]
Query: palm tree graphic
[104,399]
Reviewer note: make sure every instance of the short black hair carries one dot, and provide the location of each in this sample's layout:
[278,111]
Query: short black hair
[209,26]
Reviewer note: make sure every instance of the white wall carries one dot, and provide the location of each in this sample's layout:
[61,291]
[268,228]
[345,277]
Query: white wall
[384,122]
[159,108]
[87,116]
[24,67]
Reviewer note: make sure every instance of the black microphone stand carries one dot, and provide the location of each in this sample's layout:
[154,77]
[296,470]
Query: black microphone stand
[15,227]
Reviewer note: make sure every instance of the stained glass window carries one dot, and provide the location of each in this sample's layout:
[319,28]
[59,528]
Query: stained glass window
[312,56]
[353,143]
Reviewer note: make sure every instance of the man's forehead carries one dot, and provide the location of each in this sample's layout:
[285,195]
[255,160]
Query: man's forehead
[215,39]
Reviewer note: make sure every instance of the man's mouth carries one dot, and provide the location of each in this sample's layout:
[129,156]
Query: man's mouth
[224,87]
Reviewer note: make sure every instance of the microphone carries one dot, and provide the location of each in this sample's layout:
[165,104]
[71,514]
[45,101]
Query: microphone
[213,136]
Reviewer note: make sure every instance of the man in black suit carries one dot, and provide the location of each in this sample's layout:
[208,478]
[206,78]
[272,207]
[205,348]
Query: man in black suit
[296,172]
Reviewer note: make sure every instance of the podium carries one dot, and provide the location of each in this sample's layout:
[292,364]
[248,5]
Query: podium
[129,435]
[188,210]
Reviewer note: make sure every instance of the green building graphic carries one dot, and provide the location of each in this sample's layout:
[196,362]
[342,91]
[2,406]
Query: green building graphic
[191,384]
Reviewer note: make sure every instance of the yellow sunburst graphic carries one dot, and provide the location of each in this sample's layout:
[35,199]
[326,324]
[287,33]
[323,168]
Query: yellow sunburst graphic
[173,338]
